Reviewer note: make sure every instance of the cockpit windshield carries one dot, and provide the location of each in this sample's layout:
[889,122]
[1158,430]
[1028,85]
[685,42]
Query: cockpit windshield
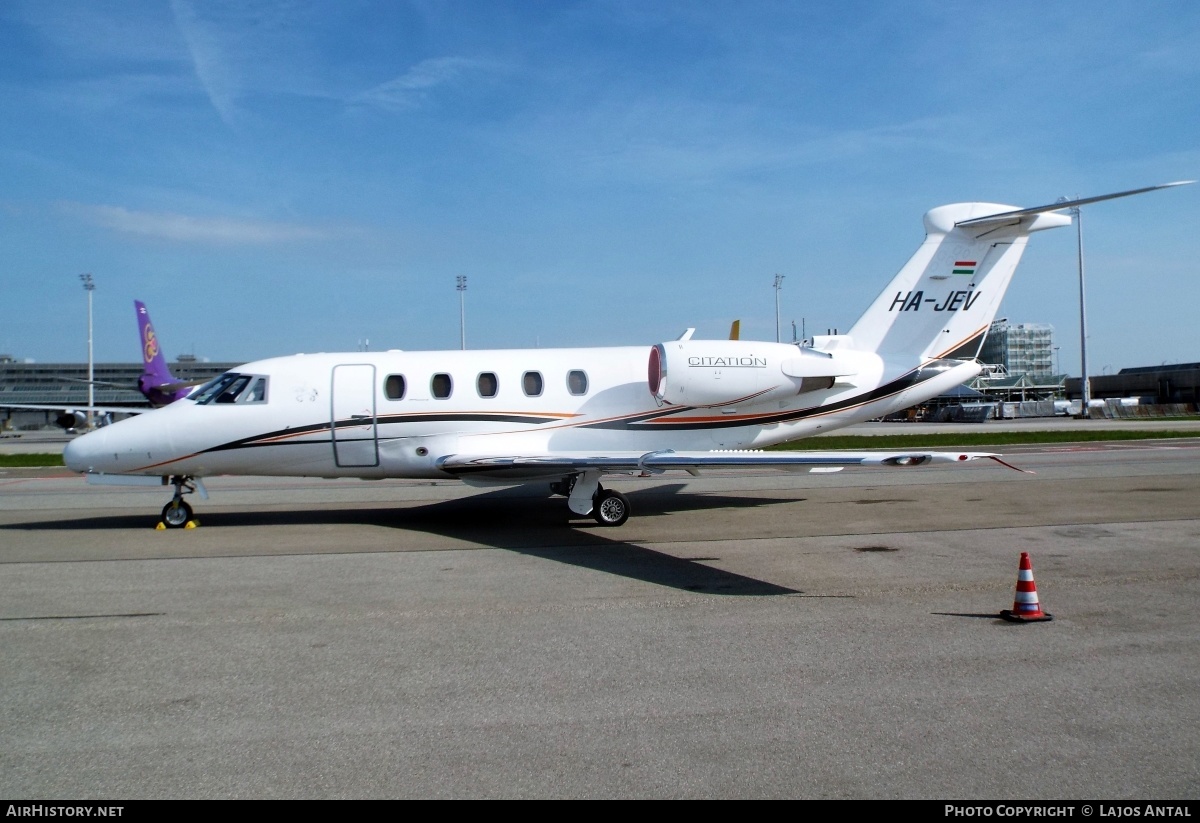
[232,387]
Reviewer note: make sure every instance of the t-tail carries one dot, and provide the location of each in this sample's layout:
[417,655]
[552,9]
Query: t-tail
[942,302]
[156,382]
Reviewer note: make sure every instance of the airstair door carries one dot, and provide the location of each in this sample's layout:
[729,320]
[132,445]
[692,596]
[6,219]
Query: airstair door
[355,437]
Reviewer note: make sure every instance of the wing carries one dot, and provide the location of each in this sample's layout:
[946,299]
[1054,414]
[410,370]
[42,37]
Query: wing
[167,388]
[79,408]
[109,383]
[524,468]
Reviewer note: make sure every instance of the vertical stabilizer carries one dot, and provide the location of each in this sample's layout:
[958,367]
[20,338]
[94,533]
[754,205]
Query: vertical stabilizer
[945,297]
[943,300]
[156,381]
[154,364]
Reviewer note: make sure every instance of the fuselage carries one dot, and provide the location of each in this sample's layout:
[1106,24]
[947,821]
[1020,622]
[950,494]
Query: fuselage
[395,413]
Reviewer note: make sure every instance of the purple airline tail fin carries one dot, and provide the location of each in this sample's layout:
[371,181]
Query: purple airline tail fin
[155,365]
[156,382]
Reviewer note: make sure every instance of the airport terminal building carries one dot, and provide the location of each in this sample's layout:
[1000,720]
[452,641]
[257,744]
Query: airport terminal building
[66,384]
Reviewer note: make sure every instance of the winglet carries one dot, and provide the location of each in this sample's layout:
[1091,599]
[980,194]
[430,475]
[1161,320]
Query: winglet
[1010,465]
[735,330]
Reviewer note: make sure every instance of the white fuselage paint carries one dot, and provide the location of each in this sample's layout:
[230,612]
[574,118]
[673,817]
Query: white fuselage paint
[377,437]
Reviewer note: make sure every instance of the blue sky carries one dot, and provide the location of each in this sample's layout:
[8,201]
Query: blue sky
[276,177]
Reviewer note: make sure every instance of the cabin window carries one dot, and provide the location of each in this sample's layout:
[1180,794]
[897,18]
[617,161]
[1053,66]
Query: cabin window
[394,387]
[441,385]
[531,382]
[258,391]
[209,391]
[230,393]
[232,388]
[487,384]
[577,382]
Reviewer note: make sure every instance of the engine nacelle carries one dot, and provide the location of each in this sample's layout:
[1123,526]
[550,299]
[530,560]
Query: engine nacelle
[71,419]
[707,373]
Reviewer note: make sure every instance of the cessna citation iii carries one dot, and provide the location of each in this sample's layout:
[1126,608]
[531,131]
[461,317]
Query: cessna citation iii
[568,417]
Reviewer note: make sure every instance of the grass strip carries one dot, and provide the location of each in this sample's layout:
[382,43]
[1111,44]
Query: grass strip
[28,461]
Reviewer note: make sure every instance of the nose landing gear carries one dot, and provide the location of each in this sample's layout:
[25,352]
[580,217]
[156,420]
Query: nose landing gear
[178,514]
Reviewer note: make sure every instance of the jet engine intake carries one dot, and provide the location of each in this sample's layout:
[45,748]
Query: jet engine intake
[71,420]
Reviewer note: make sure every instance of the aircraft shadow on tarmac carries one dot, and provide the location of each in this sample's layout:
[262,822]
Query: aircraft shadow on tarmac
[529,525]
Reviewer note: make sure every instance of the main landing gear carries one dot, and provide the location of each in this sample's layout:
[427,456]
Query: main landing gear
[177,514]
[585,495]
[610,507]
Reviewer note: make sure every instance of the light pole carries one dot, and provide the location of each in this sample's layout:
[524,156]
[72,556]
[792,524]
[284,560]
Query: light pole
[778,286]
[462,310]
[1071,207]
[1084,387]
[89,286]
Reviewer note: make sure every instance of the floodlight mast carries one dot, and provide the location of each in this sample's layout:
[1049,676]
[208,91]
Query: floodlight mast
[778,286]
[1085,393]
[89,286]
[462,311]
[1084,383]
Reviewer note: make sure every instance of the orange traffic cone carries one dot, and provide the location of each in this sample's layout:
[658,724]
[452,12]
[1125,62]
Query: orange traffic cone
[1026,608]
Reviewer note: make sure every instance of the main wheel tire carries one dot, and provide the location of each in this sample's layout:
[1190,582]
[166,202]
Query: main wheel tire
[176,514]
[611,508]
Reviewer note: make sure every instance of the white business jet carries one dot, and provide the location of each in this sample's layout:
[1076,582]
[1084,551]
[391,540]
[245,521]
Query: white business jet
[568,417]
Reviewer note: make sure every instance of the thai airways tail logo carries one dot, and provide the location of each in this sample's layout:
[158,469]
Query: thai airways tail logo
[151,344]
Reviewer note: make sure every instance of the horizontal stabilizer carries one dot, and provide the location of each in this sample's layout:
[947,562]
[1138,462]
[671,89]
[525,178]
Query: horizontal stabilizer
[1007,216]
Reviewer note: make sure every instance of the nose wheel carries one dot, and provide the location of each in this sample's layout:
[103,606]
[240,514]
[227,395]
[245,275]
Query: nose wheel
[177,514]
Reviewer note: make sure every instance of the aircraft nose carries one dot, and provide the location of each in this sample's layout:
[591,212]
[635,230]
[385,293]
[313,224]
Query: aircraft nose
[80,454]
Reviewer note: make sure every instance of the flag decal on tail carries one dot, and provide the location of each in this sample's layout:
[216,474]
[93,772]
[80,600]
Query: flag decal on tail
[964,267]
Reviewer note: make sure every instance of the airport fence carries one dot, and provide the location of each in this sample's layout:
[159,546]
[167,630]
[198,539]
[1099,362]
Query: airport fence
[1116,410]
[1027,408]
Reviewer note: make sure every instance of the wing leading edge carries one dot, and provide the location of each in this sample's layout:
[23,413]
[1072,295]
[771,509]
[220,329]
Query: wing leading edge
[525,468]
[80,408]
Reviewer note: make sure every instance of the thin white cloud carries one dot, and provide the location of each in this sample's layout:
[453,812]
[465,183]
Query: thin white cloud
[99,31]
[681,140]
[211,64]
[188,229]
[411,88]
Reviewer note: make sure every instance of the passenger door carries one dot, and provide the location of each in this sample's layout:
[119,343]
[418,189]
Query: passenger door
[355,435]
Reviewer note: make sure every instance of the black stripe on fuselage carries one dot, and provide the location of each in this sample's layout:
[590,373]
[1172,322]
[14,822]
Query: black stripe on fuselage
[656,423]
[271,438]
